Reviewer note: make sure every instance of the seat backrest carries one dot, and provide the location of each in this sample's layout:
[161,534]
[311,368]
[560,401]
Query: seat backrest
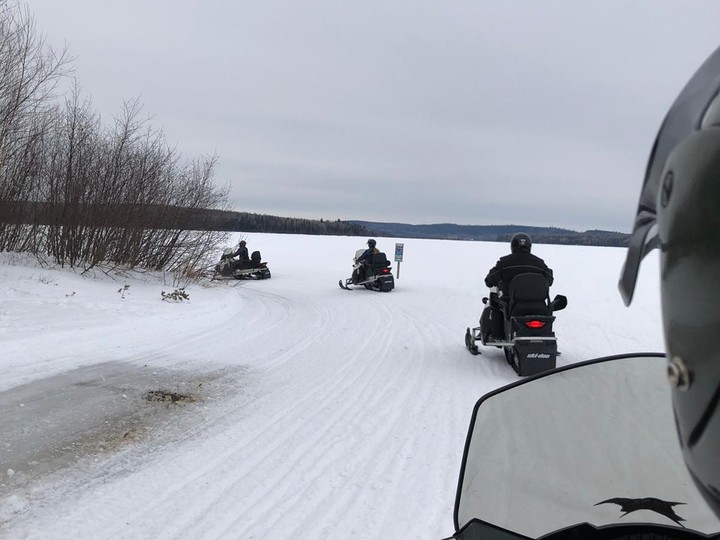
[529,295]
[379,260]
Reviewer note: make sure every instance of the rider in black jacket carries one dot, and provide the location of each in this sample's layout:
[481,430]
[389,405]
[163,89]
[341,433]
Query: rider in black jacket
[519,261]
[243,260]
[366,261]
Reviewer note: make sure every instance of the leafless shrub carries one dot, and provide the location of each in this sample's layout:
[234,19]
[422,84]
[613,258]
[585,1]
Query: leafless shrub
[114,195]
[29,72]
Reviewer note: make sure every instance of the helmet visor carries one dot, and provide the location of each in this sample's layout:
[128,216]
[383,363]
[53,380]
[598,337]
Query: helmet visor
[684,117]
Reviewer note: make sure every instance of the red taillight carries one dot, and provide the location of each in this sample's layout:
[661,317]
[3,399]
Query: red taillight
[534,324]
[385,270]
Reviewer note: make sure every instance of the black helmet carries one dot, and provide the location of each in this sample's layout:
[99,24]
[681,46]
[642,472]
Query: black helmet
[520,242]
[242,243]
[371,243]
[679,212]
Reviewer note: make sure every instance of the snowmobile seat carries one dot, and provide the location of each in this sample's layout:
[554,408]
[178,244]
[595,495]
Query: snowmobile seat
[529,295]
[255,259]
[379,260]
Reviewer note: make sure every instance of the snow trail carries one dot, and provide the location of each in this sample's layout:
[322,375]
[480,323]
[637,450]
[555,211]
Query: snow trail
[322,413]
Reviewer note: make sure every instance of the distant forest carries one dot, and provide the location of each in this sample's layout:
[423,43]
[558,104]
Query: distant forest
[498,233]
[151,216]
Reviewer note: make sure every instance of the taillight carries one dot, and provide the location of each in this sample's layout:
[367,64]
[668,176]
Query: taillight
[385,270]
[534,324]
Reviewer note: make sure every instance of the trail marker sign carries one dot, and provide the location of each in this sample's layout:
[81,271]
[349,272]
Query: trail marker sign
[398,257]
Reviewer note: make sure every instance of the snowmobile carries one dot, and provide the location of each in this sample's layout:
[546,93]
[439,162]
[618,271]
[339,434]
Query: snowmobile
[376,276]
[528,340]
[586,451]
[231,268]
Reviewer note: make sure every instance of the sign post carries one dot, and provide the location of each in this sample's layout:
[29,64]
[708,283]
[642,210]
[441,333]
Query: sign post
[398,257]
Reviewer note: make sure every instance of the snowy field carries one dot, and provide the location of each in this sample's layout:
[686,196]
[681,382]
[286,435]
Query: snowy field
[278,409]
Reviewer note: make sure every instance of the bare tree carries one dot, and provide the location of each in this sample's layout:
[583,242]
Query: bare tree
[114,195]
[29,73]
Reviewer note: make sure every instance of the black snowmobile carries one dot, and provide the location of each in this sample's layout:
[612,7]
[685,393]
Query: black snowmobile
[528,339]
[232,268]
[375,275]
[586,451]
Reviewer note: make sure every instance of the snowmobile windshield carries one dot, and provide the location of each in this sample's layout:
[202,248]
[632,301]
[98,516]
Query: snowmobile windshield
[593,443]
[685,116]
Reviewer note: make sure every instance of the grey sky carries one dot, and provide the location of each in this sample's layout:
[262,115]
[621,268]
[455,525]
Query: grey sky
[466,111]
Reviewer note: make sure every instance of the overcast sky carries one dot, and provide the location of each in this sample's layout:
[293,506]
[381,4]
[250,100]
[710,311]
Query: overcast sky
[465,111]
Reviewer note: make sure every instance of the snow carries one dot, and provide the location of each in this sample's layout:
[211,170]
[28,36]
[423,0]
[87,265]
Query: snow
[312,412]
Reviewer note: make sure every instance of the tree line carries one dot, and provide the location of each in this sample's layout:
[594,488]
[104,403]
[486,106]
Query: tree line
[247,222]
[173,217]
[499,233]
[572,238]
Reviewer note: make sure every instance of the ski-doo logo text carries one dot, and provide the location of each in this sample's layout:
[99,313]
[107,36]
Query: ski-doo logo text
[538,355]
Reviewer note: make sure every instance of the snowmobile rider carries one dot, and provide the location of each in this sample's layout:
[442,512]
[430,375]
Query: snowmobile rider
[679,213]
[242,255]
[365,261]
[519,261]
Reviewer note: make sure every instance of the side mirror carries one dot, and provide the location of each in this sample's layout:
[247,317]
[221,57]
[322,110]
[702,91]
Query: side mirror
[559,302]
[485,300]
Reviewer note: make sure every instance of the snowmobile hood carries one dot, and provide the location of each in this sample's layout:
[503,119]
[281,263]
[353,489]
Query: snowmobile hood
[693,110]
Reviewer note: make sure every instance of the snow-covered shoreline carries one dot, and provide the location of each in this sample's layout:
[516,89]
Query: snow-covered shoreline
[327,413]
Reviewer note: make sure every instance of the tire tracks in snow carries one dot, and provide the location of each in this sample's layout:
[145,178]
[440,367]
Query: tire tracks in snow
[306,444]
[356,396]
[266,433]
[287,445]
[265,459]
